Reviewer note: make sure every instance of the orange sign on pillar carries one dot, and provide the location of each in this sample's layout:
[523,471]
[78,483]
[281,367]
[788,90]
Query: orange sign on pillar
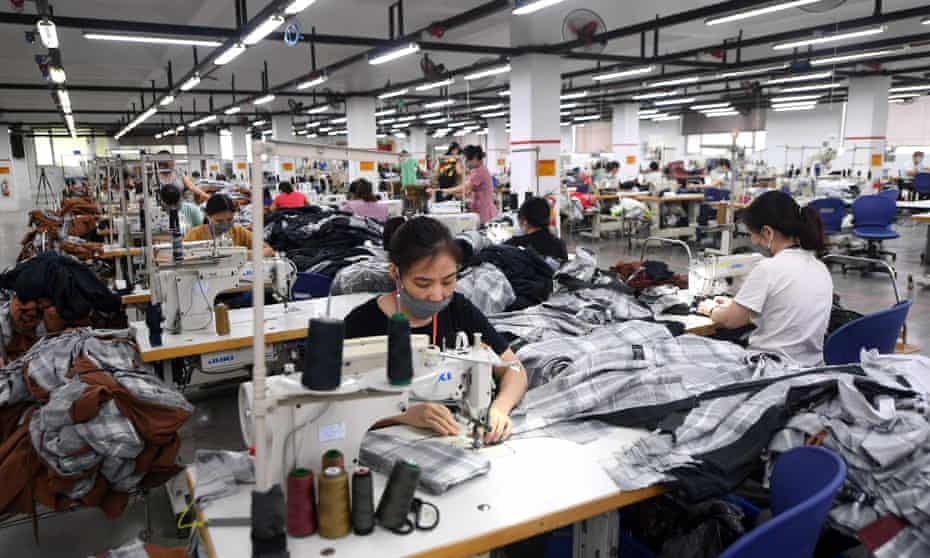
[366,166]
[287,167]
[631,160]
[545,167]
[877,159]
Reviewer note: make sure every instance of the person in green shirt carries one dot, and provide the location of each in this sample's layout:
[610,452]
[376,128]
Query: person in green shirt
[408,169]
[189,214]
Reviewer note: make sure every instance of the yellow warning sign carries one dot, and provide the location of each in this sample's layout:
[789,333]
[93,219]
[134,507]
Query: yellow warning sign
[545,167]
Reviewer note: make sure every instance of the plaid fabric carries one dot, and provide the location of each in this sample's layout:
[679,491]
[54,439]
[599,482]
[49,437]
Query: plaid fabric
[216,473]
[599,306]
[661,298]
[442,466]
[486,287]
[582,268]
[478,240]
[370,276]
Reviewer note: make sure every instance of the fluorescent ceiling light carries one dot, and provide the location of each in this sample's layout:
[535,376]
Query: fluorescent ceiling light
[758,11]
[179,129]
[386,121]
[393,54]
[721,113]
[674,101]
[658,95]
[267,132]
[437,121]
[756,71]
[259,122]
[588,117]
[380,136]
[460,123]
[135,122]
[386,112]
[495,114]
[896,101]
[673,82]
[47,32]
[315,124]
[340,132]
[400,135]
[263,30]
[151,40]
[796,98]
[313,82]
[436,84]
[564,106]
[483,132]
[565,113]
[710,106]
[202,121]
[624,73]
[232,110]
[430,115]
[311,135]
[298,6]
[342,120]
[831,38]
[565,123]
[263,100]
[578,125]
[504,93]
[667,118]
[300,132]
[528,8]
[925,21]
[57,74]
[805,77]
[325,129]
[852,57]
[410,118]
[793,109]
[906,88]
[818,87]
[437,104]
[488,107]
[318,110]
[905,95]
[167,100]
[229,54]
[489,72]
[647,112]
[391,94]
[191,82]
[65,100]
[401,126]
[789,105]
[569,96]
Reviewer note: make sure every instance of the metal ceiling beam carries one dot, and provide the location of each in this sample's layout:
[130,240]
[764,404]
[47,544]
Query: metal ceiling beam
[139,90]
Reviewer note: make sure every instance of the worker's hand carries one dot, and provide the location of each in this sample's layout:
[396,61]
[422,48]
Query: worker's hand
[432,416]
[499,426]
[723,300]
[706,307]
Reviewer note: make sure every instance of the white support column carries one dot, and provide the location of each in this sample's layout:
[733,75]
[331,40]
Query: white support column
[867,122]
[195,147]
[360,112]
[535,136]
[211,146]
[282,129]
[498,145]
[240,153]
[625,139]
[417,144]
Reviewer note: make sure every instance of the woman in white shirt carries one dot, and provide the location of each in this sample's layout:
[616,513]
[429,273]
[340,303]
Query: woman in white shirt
[789,295]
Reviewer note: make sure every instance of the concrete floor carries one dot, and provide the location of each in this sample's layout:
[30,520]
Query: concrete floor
[216,422]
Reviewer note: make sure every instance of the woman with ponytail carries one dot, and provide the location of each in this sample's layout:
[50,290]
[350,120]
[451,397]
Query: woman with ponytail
[788,296]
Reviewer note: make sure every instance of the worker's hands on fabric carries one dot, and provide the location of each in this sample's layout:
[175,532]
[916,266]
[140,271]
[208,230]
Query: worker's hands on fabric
[723,300]
[706,307]
[432,416]
[499,426]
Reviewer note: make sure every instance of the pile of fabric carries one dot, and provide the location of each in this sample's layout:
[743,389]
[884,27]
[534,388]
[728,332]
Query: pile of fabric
[365,276]
[529,275]
[642,275]
[136,549]
[81,423]
[77,218]
[285,229]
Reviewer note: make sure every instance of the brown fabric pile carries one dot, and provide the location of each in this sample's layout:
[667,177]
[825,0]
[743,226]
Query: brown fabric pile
[639,277]
[82,214]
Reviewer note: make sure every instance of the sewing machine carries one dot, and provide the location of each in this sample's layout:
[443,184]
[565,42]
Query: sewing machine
[715,274]
[303,424]
[458,223]
[187,289]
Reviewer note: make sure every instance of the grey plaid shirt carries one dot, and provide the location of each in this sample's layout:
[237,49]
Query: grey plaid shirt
[486,287]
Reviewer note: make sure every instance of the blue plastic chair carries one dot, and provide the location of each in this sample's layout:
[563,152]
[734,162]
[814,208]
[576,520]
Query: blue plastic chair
[832,211]
[875,331]
[310,285]
[872,219]
[804,482]
[891,194]
[922,184]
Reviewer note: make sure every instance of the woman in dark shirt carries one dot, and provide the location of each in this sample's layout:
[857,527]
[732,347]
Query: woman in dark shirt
[424,263]
[534,220]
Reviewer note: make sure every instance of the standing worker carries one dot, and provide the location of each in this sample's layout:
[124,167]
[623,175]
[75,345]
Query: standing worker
[479,185]
[168,175]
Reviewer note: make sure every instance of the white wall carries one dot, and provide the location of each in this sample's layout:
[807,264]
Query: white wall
[908,131]
[662,134]
[808,128]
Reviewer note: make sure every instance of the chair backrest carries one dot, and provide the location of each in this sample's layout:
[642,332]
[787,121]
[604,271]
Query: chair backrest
[716,194]
[890,193]
[804,482]
[832,211]
[922,182]
[875,331]
[310,285]
[874,211]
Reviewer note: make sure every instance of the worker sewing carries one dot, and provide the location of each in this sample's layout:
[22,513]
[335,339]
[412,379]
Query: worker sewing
[652,179]
[920,165]
[190,215]
[478,185]
[720,177]
[364,203]
[789,295]
[221,211]
[288,198]
[424,263]
[534,223]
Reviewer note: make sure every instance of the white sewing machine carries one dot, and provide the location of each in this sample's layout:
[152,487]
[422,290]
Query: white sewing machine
[187,289]
[715,274]
[458,223]
[303,424]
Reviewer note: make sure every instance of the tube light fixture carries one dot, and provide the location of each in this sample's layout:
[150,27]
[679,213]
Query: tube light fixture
[758,11]
[459,124]
[342,120]
[528,8]
[263,30]
[575,125]
[831,38]
[380,136]
[495,114]
[386,121]
[263,100]
[300,133]
[298,6]
[802,104]
[482,132]
[436,84]
[897,101]
[565,123]
[313,82]
[47,32]
[570,96]
[386,112]
[410,118]
[437,121]
[267,132]
[312,135]
[393,54]
[488,72]
[400,135]
[797,108]
[721,113]
[566,106]
[318,110]
[818,87]
[752,72]
[202,121]
[229,54]
[191,82]
[588,117]
[503,93]
[167,100]
[325,129]
[565,113]
[853,57]
[905,95]
[673,82]
[907,88]
[340,132]
[65,101]
[710,106]
[136,121]
[667,118]
[804,77]
[391,94]
[664,102]
[315,124]
[401,126]
[646,112]
[659,95]
[487,107]
[113,37]
[430,115]
[796,98]
[438,104]
[259,122]
[179,129]
[57,74]
[232,110]
[624,73]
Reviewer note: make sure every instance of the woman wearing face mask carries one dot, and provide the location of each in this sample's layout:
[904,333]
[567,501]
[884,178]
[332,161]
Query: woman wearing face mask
[478,185]
[424,262]
[221,210]
[788,296]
